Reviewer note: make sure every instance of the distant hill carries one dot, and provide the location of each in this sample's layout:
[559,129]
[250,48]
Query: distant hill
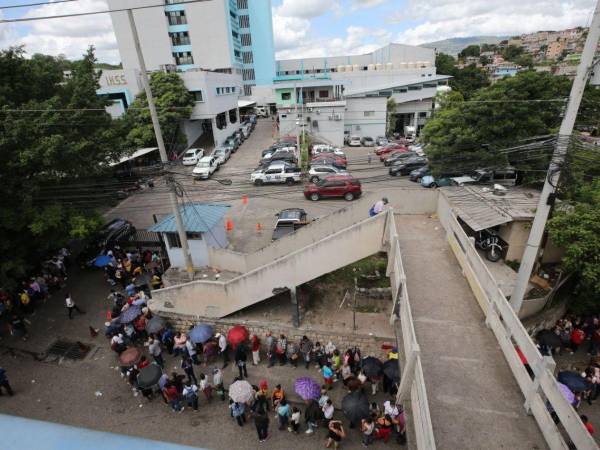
[453,46]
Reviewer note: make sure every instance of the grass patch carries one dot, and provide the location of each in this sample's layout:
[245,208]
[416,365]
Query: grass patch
[366,266]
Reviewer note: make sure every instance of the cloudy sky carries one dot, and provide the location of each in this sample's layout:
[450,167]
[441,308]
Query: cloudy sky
[314,27]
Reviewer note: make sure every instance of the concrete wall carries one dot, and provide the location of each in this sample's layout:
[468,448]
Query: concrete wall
[366,116]
[218,299]
[193,130]
[515,234]
[198,250]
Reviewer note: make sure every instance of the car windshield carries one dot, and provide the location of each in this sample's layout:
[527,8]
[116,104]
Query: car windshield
[203,164]
[190,153]
[219,152]
[289,215]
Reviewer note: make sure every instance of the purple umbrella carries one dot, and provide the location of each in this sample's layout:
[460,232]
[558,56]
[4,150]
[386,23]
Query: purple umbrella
[201,333]
[567,393]
[307,388]
[130,314]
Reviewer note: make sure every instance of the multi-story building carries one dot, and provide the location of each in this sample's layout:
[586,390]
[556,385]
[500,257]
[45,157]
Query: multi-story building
[555,48]
[220,48]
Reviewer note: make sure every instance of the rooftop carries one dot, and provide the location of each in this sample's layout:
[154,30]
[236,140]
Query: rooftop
[396,84]
[197,218]
[480,208]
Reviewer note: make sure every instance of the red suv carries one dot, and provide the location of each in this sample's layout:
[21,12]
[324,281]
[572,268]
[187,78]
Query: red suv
[335,186]
[389,148]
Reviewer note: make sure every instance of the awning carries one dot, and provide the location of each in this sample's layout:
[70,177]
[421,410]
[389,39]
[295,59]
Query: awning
[245,103]
[474,210]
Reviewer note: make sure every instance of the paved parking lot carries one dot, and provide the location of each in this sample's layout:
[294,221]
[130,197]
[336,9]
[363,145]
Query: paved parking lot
[263,201]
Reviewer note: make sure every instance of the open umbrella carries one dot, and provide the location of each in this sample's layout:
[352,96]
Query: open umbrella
[130,356]
[356,407]
[149,376]
[201,333]
[372,367]
[573,380]
[130,314]
[307,388]
[236,335]
[155,324]
[567,393]
[101,260]
[391,369]
[241,391]
[548,338]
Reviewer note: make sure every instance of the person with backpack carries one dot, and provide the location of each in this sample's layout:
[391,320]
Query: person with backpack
[190,394]
[283,414]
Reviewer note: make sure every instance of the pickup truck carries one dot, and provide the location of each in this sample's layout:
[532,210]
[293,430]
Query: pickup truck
[278,172]
[288,221]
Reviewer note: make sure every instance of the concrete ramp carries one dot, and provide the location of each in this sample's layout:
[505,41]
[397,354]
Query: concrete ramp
[292,265]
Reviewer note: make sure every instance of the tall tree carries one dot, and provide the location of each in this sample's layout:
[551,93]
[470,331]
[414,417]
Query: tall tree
[466,80]
[471,50]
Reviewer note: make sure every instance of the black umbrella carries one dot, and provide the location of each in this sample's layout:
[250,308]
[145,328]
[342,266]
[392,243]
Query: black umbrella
[548,338]
[149,376]
[356,407]
[391,369]
[372,367]
[574,381]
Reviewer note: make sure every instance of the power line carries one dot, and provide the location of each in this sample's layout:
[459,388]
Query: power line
[27,5]
[90,13]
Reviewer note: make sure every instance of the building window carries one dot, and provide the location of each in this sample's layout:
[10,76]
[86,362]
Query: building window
[221,121]
[423,114]
[247,89]
[244,21]
[180,38]
[173,2]
[232,14]
[242,4]
[415,88]
[173,240]
[246,40]
[248,74]
[197,96]
[369,113]
[182,58]
[247,57]
[286,96]
[236,53]
[323,94]
[235,35]
[233,115]
[176,17]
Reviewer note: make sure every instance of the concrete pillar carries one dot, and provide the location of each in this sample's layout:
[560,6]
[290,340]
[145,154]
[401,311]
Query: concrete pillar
[295,307]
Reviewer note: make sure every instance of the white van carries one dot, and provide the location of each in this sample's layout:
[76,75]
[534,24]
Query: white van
[261,111]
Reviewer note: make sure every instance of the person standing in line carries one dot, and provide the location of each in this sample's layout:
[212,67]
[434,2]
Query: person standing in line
[240,359]
[328,375]
[70,303]
[281,349]
[255,341]
[261,421]
[223,350]
[172,397]
[271,348]
[238,410]
[4,383]
[190,348]
[306,347]
[336,434]
[190,393]
[367,427]
[218,383]
[312,415]
[295,420]
[188,367]
[205,387]
[328,411]
[283,414]
[155,350]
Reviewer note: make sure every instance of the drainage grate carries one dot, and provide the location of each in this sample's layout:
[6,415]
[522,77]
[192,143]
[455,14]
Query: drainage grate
[69,349]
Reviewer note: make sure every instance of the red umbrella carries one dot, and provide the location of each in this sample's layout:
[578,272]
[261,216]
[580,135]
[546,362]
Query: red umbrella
[236,335]
[130,356]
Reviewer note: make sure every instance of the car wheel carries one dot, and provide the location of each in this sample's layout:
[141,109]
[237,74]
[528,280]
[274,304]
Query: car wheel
[433,185]
[258,182]
[314,179]
[314,197]
[349,196]
[289,181]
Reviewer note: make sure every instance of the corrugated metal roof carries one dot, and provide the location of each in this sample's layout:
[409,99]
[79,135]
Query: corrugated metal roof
[197,218]
[480,208]
[395,84]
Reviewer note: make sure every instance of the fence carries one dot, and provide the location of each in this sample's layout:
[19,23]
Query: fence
[412,381]
[541,391]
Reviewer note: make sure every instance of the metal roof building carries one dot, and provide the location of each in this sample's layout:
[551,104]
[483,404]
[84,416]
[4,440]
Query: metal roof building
[197,218]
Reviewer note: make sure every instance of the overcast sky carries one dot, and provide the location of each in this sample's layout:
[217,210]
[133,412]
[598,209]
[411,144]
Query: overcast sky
[315,27]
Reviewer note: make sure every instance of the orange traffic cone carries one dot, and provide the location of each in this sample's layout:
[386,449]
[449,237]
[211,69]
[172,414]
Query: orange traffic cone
[245,199]
[229,225]
[258,227]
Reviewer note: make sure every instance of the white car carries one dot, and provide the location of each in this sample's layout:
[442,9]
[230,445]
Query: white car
[222,154]
[354,141]
[317,172]
[192,156]
[325,148]
[246,131]
[205,167]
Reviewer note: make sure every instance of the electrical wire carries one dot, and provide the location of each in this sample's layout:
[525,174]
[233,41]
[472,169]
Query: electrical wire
[28,5]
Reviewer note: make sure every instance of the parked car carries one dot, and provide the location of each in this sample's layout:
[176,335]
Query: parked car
[205,167]
[390,158]
[367,141]
[354,141]
[337,186]
[246,130]
[505,177]
[222,154]
[329,159]
[389,148]
[404,167]
[192,156]
[278,172]
[233,141]
[283,155]
[288,221]
[317,172]
[103,240]
[429,181]
[381,141]
[278,152]
[419,173]
[240,136]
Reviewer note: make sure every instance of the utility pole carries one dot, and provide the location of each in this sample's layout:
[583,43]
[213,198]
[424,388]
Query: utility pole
[161,147]
[558,157]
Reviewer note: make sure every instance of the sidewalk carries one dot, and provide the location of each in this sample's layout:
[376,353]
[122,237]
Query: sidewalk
[474,400]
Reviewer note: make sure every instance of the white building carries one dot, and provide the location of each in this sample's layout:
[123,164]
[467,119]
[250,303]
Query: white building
[204,226]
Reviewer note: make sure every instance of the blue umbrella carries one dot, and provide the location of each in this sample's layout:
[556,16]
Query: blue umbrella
[102,261]
[130,314]
[201,333]
[573,381]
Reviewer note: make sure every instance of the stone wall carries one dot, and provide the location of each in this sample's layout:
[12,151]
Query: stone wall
[369,345]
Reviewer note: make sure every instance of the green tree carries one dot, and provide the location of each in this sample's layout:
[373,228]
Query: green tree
[391,107]
[510,52]
[484,60]
[444,63]
[488,47]
[471,50]
[466,80]
[174,104]
[47,139]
